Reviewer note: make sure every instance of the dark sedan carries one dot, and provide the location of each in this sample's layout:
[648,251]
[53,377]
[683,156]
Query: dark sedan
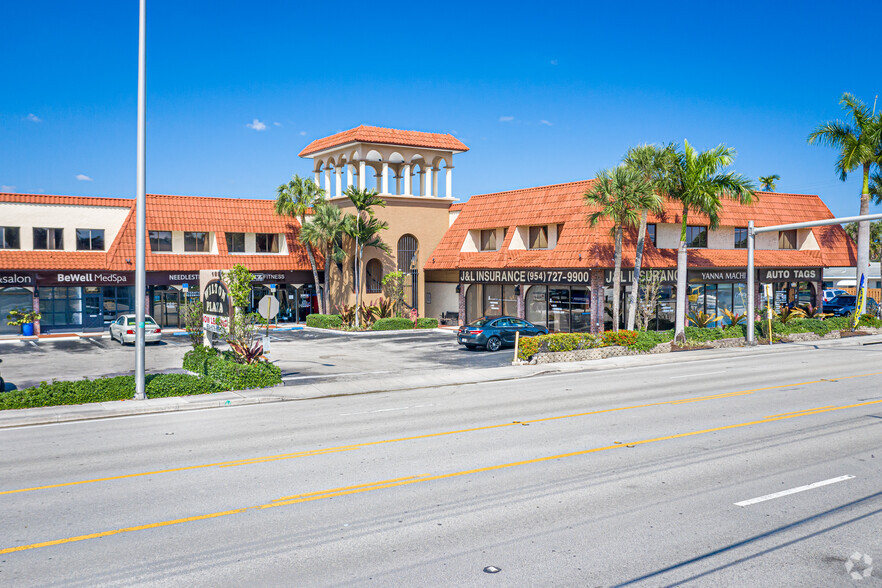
[844,305]
[494,332]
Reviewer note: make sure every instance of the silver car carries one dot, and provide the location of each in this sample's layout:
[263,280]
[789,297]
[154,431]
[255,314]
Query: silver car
[123,329]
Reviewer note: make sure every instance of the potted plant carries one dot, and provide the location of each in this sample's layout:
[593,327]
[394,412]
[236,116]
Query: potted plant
[25,319]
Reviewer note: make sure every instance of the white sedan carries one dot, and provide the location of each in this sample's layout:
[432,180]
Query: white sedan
[123,329]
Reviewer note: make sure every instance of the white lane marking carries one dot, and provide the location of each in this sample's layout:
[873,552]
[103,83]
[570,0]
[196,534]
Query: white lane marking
[386,409]
[793,491]
[694,375]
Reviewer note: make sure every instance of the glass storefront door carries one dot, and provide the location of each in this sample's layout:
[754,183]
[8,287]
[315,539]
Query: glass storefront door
[559,309]
[93,309]
[61,308]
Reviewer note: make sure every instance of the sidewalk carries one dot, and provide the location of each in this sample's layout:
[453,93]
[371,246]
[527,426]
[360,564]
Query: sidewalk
[387,383]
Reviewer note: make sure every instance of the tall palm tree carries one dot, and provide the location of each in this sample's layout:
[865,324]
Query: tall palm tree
[365,231]
[699,185]
[875,238]
[620,193]
[294,199]
[858,142]
[326,231]
[654,164]
[767,183]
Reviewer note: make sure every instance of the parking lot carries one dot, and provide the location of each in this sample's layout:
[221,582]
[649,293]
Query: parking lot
[304,356]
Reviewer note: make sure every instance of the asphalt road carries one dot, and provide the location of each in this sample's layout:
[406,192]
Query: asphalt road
[304,356]
[624,477]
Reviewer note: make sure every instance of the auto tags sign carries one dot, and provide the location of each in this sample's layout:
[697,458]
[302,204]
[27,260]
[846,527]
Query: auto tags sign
[216,307]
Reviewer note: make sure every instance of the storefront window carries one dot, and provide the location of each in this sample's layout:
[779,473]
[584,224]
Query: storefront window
[48,238]
[118,300]
[488,240]
[537,305]
[787,239]
[90,239]
[473,308]
[580,307]
[740,238]
[13,299]
[10,238]
[559,309]
[160,241]
[667,307]
[492,300]
[61,306]
[509,300]
[196,242]
[236,242]
[539,237]
[267,242]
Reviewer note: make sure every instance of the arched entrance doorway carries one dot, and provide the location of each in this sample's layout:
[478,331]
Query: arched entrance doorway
[408,251]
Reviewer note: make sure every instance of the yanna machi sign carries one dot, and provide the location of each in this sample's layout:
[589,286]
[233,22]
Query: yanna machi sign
[216,307]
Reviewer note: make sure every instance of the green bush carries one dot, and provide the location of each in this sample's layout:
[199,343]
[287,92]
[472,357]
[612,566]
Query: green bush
[427,323]
[646,340]
[104,390]
[239,376]
[394,323]
[324,321]
[838,323]
[194,360]
[868,320]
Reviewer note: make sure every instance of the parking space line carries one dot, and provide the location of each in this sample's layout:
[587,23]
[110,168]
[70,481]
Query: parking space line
[793,490]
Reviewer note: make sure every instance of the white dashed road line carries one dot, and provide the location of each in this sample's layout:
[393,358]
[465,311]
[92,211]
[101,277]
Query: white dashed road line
[793,491]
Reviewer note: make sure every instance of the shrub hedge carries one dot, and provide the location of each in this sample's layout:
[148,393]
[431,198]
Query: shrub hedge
[427,323]
[105,389]
[194,360]
[239,376]
[395,323]
[324,321]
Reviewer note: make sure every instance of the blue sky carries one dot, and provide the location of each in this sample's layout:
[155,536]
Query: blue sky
[540,96]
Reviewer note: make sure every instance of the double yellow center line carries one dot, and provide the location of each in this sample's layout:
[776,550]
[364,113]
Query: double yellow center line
[402,481]
[314,452]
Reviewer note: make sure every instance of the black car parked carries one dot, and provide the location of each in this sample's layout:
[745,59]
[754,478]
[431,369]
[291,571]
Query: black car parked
[494,332]
[844,305]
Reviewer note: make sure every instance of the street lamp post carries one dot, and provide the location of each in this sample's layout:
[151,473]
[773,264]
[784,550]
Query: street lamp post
[140,203]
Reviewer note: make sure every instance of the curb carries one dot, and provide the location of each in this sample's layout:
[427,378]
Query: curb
[10,419]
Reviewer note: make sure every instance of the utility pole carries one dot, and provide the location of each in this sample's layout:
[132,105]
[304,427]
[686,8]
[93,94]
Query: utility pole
[140,203]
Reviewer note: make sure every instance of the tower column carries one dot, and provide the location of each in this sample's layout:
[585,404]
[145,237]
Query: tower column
[449,181]
[348,175]
[338,181]
[428,183]
[408,180]
[361,178]
[318,179]
[435,176]
[327,180]
[422,182]
[398,184]
[385,185]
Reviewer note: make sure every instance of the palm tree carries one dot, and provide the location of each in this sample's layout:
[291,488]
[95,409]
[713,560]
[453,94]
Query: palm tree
[294,199]
[621,194]
[365,231]
[875,238]
[858,142]
[767,183]
[699,185]
[654,164]
[326,231]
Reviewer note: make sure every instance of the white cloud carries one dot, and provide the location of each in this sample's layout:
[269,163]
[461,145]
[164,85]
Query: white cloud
[546,123]
[506,118]
[256,125]
[277,124]
[5,188]
[302,133]
[33,118]
[84,178]
[553,62]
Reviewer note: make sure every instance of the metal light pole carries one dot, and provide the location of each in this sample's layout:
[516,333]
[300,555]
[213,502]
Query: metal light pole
[140,203]
[751,235]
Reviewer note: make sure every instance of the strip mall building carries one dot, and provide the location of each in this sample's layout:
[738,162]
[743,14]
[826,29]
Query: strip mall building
[527,253]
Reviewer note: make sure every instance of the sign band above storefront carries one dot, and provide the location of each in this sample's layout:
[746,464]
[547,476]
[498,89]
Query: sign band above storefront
[723,275]
[525,276]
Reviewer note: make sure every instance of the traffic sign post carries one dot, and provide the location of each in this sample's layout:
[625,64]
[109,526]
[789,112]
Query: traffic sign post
[268,307]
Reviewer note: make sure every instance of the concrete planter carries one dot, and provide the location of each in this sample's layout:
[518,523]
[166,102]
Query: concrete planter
[599,353]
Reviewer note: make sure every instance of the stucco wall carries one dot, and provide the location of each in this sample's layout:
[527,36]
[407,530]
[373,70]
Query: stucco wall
[61,216]
[444,299]
[424,218]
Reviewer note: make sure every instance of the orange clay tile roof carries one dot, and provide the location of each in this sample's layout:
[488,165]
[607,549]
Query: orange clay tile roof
[581,246]
[456,206]
[365,134]
[172,213]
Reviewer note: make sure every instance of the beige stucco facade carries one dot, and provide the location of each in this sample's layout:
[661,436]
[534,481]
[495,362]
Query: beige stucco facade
[426,219]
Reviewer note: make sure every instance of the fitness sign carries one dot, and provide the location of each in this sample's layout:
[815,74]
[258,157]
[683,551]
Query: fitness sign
[216,307]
